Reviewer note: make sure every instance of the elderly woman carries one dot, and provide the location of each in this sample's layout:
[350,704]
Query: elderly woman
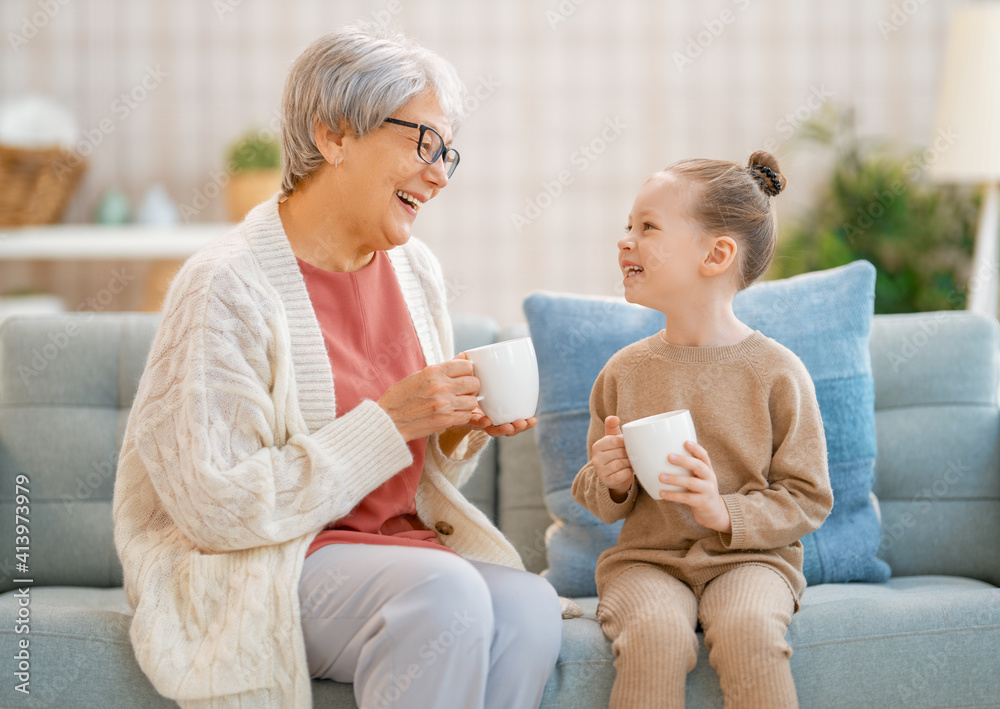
[287,500]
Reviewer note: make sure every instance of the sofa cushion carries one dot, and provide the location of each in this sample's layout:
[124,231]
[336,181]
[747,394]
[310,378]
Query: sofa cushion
[932,627]
[80,654]
[918,641]
[936,382]
[67,382]
[824,317]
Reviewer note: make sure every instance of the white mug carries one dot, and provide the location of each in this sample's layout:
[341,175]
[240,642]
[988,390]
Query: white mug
[508,379]
[648,442]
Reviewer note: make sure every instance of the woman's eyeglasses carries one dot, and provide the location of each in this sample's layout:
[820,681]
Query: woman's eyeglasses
[430,146]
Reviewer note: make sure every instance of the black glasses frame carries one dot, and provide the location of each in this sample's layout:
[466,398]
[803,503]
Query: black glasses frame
[444,151]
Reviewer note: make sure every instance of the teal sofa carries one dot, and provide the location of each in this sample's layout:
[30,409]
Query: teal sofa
[930,637]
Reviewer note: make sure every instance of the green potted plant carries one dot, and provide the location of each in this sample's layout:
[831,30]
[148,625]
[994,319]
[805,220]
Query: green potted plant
[878,205]
[254,166]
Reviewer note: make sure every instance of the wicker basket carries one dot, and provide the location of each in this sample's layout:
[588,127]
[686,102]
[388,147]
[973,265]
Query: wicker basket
[36,184]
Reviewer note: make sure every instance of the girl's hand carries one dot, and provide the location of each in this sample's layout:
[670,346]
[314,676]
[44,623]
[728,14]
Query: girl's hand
[611,461]
[701,489]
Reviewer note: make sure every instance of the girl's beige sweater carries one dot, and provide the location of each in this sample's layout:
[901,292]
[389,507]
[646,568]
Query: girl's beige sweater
[755,412]
[233,460]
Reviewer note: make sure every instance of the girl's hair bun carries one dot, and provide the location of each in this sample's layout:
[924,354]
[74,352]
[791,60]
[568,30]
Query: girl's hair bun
[763,167]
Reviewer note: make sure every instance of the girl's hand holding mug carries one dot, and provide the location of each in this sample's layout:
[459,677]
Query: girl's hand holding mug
[611,461]
[701,489]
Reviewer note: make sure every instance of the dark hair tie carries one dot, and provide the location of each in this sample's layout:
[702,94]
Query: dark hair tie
[772,185]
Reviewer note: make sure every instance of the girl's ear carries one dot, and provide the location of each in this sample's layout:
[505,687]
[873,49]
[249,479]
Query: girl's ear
[720,256]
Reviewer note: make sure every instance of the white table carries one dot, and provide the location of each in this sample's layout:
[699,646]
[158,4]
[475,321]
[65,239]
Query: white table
[94,242]
[73,242]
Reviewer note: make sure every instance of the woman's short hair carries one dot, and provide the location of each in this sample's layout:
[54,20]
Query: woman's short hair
[358,75]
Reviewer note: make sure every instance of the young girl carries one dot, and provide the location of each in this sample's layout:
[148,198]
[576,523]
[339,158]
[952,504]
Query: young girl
[726,550]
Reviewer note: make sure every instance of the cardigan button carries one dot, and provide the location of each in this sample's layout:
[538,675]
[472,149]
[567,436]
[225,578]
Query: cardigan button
[444,528]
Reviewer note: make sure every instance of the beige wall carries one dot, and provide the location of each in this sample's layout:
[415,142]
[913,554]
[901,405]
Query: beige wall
[551,75]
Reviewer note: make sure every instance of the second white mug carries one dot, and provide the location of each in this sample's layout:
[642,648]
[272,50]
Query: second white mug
[508,379]
[648,442]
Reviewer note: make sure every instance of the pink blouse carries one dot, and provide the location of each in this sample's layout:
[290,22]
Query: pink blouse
[372,345]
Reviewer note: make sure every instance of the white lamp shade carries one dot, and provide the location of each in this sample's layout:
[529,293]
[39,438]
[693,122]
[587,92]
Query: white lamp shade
[969,103]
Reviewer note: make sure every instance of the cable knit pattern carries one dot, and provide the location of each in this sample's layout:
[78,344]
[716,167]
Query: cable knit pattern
[233,460]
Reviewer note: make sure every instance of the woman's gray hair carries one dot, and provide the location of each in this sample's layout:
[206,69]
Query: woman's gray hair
[358,75]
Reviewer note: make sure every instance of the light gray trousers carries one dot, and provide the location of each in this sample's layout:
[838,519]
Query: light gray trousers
[426,629]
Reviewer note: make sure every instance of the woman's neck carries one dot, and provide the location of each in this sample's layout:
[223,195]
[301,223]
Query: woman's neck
[316,230]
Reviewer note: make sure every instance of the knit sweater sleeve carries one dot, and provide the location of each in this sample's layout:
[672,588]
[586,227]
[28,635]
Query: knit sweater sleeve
[588,488]
[798,496]
[212,422]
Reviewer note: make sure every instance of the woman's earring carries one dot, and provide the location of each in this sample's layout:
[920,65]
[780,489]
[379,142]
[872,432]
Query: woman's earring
[336,162]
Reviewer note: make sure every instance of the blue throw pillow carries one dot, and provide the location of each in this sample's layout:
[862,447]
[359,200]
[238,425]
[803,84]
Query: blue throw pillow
[824,317]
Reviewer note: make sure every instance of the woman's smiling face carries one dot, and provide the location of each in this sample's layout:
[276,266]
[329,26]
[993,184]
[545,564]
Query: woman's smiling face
[388,181]
[662,247]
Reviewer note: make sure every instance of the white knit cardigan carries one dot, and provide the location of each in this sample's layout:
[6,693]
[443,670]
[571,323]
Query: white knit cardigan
[233,460]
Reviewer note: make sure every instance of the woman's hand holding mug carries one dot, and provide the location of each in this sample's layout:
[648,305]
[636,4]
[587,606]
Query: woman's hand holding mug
[443,397]
[438,397]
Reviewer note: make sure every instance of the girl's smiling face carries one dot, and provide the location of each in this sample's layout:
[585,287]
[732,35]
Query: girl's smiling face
[662,248]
